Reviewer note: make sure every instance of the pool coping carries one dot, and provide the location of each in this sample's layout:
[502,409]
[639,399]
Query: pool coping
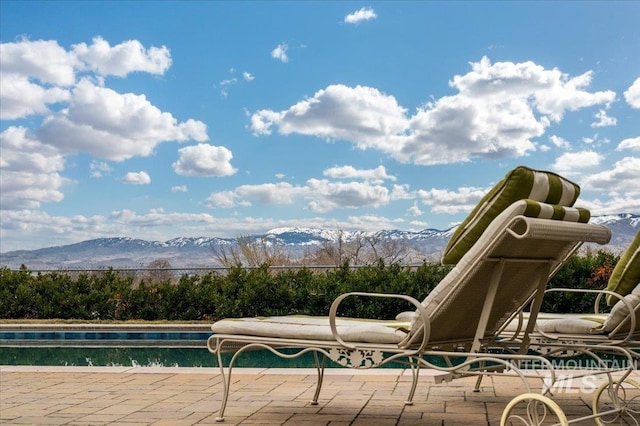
[436,375]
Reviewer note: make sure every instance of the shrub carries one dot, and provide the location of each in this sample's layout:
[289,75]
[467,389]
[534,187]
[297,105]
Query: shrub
[261,291]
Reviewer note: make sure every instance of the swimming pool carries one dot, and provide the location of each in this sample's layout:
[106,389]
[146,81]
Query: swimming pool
[139,345]
[100,335]
[139,357]
[103,338]
[146,345]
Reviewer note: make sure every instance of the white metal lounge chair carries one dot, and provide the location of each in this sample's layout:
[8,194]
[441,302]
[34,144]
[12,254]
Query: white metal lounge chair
[590,336]
[620,326]
[511,262]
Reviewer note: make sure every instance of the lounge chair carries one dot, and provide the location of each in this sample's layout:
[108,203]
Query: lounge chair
[591,335]
[505,253]
[621,326]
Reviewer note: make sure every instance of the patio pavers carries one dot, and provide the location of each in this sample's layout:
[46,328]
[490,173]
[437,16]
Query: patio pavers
[189,396]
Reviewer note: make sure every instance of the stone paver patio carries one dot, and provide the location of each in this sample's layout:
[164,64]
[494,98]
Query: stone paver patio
[188,396]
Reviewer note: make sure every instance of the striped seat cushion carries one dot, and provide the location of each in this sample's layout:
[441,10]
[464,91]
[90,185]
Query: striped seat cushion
[520,183]
[626,275]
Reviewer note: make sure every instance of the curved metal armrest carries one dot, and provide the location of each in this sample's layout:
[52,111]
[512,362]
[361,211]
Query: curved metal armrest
[422,313]
[520,316]
[600,294]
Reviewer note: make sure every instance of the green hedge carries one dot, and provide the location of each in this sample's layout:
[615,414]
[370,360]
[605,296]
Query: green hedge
[240,292]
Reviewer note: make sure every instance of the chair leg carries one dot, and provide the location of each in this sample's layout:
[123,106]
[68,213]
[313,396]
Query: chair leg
[226,383]
[415,374]
[320,369]
[478,382]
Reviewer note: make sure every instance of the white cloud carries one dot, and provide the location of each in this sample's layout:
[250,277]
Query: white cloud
[603,119]
[280,53]
[122,59]
[99,169]
[452,202]
[498,110]
[37,226]
[571,162]
[29,171]
[179,188]
[632,95]
[321,195]
[20,152]
[97,120]
[362,115]
[34,74]
[587,140]
[418,224]
[332,195]
[379,174]
[401,192]
[43,60]
[21,98]
[552,92]
[224,200]
[559,142]
[228,82]
[618,188]
[262,121]
[268,193]
[363,14]
[622,177]
[29,190]
[204,160]
[630,143]
[615,203]
[414,210]
[114,126]
[137,178]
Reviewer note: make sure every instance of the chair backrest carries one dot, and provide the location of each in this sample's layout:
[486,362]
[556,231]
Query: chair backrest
[626,275]
[520,183]
[618,320]
[518,254]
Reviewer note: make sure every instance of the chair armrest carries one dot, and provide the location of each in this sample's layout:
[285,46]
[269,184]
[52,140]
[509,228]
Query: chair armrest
[422,313]
[600,294]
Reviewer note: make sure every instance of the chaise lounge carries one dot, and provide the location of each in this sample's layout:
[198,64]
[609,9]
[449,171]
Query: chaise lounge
[590,337]
[505,252]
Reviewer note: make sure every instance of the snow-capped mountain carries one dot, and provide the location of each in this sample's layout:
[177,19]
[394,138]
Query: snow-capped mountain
[623,227]
[200,251]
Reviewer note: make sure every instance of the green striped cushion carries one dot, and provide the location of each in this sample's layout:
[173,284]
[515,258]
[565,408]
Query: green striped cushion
[532,208]
[520,183]
[626,274]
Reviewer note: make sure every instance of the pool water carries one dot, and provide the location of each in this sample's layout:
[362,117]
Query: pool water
[160,347]
[126,346]
[140,357]
[103,338]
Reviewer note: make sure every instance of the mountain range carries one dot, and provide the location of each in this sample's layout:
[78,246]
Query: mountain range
[185,252]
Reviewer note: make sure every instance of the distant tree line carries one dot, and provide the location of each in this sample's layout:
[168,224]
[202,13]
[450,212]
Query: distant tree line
[261,291]
[361,250]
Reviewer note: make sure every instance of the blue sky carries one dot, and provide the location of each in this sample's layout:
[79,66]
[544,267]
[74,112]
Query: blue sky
[162,119]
